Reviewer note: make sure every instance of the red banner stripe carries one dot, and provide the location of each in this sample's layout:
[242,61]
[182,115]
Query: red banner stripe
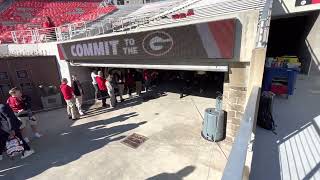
[60,51]
[224,34]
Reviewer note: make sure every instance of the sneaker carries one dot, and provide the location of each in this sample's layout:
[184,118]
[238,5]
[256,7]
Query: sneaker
[1,157]
[37,135]
[26,140]
[27,153]
[81,113]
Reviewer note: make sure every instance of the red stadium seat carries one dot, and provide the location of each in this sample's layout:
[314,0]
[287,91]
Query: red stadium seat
[25,14]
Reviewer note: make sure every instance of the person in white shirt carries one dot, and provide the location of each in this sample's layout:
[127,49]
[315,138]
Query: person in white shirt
[111,92]
[94,83]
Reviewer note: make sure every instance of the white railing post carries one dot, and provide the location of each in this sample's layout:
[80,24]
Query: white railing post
[122,25]
[58,33]
[70,31]
[102,27]
[264,23]
[14,37]
[35,35]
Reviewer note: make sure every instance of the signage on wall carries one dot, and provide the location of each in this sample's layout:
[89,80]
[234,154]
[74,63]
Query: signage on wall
[181,15]
[212,40]
[306,2]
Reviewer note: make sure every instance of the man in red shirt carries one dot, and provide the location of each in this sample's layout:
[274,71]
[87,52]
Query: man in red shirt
[68,96]
[101,81]
[18,104]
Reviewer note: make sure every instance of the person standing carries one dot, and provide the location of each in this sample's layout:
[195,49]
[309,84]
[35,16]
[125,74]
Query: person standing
[111,92]
[138,79]
[118,78]
[21,106]
[101,81]
[10,127]
[129,82]
[186,80]
[78,92]
[68,96]
[95,85]
[147,79]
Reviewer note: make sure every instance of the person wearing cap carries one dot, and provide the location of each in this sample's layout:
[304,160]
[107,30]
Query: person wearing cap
[69,97]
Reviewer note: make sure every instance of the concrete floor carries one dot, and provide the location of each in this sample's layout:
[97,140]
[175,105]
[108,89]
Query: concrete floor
[294,153]
[90,148]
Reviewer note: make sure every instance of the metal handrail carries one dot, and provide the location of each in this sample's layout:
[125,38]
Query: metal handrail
[236,162]
[62,37]
[264,25]
[115,24]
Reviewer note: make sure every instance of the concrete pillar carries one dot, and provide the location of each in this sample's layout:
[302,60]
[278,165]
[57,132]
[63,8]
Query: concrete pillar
[313,46]
[256,75]
[234,90]
[256,68]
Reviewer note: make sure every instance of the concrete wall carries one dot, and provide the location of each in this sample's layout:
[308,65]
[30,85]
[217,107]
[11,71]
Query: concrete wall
[234,90]
[249,22]
[285,7]
[313,46]
[237,87]
[36,50]
[16,50]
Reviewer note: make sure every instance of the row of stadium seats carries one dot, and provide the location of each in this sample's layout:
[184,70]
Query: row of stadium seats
[30,14]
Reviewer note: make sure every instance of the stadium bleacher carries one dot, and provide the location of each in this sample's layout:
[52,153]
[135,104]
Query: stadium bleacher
[30,14]
[75,19]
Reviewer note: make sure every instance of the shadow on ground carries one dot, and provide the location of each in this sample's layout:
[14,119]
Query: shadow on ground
[91,111]
[180,175]
[67,146]
[294,152]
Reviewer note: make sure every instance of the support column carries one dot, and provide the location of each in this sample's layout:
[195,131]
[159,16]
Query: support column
[235,90]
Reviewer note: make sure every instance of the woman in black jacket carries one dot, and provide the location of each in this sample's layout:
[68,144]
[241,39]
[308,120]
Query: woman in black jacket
[10,126]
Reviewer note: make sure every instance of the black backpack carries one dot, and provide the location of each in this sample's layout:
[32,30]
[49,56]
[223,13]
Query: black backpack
[265,119]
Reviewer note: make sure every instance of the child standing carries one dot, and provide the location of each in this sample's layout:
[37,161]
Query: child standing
[21,106]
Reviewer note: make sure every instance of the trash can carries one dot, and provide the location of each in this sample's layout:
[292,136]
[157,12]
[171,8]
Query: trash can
[213,125]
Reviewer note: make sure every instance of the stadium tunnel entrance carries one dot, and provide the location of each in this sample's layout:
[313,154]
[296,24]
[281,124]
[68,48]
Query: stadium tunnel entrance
[181,81]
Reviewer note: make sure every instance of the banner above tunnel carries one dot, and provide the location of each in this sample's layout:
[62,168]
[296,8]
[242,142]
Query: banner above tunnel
[211,40]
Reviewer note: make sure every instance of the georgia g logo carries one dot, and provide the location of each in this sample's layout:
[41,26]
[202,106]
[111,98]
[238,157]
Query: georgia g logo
[157,43]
